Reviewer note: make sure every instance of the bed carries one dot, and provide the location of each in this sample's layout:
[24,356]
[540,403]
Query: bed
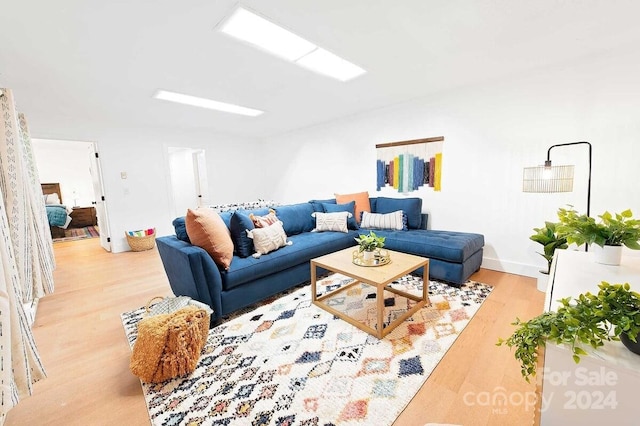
[57,212]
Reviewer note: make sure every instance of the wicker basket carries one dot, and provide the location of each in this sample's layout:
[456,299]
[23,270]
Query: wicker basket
[142,243]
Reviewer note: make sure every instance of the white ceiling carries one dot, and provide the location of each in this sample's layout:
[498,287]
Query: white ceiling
[78,67]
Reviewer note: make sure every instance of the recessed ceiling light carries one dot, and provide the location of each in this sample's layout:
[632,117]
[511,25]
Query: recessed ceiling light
[206,103]
[324,62]
[260,32]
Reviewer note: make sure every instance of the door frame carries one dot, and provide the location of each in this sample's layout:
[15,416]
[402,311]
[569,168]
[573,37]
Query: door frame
[100,202]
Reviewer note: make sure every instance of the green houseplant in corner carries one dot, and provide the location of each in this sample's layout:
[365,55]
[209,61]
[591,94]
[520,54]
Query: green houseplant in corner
[610,231]
[590,320]
[550,241]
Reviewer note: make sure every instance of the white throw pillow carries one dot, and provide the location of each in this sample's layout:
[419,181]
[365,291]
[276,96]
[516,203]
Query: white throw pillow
[268,239]
[52,199]
[388,221]
[336,221]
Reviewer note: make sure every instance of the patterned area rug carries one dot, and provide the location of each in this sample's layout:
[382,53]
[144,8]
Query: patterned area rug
[72,234]
[290,362]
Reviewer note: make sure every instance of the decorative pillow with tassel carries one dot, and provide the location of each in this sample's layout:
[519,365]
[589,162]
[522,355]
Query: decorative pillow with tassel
[264,221]
[268,239]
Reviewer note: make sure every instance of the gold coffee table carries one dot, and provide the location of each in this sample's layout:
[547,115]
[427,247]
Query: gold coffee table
[379,277]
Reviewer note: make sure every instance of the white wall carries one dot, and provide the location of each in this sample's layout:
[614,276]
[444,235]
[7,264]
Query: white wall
[66,162]
[491,132]
[143,199]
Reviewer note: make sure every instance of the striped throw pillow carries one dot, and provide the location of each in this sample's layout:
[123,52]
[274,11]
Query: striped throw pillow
[387,221]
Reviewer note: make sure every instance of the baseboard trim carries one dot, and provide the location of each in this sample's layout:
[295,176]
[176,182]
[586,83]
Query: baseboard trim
[510,267]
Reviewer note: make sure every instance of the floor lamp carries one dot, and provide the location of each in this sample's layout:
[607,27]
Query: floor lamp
[550,178]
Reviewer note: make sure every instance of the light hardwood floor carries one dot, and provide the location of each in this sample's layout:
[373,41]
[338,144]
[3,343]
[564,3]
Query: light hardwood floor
[84,350]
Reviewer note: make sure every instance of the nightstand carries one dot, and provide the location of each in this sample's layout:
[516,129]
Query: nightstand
[83,216]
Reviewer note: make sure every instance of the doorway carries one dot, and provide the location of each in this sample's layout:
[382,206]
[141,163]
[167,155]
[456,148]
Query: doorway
[75,165]
[188,176]
[99,200]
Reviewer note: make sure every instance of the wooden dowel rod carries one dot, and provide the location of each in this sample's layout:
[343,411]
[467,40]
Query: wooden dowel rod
[412,142]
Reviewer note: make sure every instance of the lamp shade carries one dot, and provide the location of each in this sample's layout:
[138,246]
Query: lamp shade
[548,179]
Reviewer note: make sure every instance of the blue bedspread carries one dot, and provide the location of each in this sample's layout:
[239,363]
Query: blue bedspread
[57,215]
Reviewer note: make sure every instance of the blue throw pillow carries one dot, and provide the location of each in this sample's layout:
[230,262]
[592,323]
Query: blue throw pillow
[347,207]
[226,217]
[317,204]
[262,211]
[296,218]
[373,203]
[181,229]
[242,244]
[412,207]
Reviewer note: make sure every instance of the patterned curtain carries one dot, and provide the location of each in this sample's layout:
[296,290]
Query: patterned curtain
[42,256]
[20,186]
[26,256]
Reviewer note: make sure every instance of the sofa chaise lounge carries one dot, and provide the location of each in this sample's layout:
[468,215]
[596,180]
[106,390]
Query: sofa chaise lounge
[192,272]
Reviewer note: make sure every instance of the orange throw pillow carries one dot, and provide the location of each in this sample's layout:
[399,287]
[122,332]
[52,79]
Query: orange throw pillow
[206,229]
[361,199]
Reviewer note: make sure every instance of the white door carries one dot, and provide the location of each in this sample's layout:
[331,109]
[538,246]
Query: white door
[202,183]
[98,191]
[188,179]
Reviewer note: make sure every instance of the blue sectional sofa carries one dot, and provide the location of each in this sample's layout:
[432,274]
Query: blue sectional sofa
[454,256]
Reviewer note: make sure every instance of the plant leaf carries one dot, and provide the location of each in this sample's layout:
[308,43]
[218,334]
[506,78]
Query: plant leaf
[579,351]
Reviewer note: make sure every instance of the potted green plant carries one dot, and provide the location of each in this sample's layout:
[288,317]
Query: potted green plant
[550,241]
[612,314]
[368,244]
[610,231]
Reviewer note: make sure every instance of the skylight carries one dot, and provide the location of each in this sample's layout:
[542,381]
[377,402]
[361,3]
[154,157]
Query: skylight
[256,30]
[324,62]
[206,103]
[264,34]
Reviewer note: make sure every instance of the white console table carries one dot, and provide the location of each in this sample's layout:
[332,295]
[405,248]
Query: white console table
[603,387]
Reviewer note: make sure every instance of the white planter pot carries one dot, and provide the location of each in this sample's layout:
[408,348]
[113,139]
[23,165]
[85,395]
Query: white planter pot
[543,281]
[367,256]
[607,255]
